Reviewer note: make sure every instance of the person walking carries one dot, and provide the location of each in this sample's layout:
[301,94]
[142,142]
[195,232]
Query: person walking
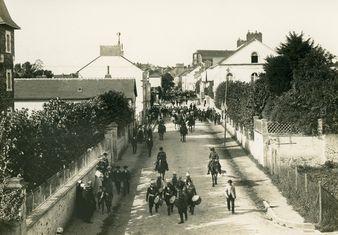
[118,179]
[230,194]
[150,197]
[126,180]
[134,143]
[182,206]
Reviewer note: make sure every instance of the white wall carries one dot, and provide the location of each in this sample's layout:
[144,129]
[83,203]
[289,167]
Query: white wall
[119,68]
[155,81]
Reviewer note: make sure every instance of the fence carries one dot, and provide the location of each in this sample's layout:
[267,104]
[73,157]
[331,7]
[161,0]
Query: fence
[40,194]
[307,196]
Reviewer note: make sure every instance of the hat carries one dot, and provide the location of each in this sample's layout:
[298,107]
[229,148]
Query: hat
[59,230]
[105,154]
[187,174]
[229,181]
[125,167]
[79,181]
[174,173]
[212,148]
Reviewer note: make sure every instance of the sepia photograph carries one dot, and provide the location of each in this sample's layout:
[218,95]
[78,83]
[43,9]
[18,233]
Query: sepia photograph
[168,117]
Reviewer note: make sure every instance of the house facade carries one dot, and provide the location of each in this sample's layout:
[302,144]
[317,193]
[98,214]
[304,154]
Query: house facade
[111,64]
[243,64]
[7,54]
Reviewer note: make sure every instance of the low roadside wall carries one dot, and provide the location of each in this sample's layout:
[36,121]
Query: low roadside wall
[58,209]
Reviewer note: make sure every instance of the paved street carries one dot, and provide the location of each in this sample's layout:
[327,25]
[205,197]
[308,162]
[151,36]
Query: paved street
[211,216]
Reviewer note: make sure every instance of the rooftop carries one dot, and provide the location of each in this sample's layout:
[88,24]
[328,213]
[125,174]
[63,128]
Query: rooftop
[71,88]
[5,18]
[215,53]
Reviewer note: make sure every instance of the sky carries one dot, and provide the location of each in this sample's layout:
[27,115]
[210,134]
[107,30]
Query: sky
[66,34]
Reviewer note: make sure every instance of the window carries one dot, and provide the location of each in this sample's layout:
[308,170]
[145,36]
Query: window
[254,77]
[229,76]
[254,57]
[9,82]
[8,42]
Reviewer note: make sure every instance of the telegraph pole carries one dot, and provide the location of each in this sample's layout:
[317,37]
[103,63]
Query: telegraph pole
[225,105]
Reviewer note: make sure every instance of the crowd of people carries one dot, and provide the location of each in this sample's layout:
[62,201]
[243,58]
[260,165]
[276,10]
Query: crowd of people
[174,191]
[99,195]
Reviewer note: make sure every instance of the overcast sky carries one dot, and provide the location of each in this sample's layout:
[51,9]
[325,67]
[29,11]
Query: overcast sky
[66,34]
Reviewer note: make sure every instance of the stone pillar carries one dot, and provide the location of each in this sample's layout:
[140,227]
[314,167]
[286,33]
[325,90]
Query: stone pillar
[19,227]
[111,142]
[265,135]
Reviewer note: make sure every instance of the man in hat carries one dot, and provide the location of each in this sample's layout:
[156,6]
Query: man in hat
[150,197]
[134,143]
[230,194]
[213,154]
[118,178]
[89,201]
[168,192]
[182,205]
[126,180]
[174,180]
[187,178]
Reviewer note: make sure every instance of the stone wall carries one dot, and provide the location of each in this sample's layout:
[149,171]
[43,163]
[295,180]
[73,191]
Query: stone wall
[331,147]
[57,210]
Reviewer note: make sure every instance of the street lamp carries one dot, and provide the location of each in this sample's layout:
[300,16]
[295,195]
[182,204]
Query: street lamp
[228,76]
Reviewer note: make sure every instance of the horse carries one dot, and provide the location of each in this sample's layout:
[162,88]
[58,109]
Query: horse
[214,167]
[161,167]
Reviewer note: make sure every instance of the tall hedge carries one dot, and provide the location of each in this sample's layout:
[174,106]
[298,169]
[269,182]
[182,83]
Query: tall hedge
[39,145]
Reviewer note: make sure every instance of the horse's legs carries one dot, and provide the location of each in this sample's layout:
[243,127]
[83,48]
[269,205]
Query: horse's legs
[212,179]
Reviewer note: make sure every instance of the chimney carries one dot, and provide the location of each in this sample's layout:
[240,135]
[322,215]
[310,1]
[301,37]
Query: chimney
[254,35]
[108,73]
[240,42]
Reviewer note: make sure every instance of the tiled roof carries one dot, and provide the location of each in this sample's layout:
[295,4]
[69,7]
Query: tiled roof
[215,53]
[70,89]
[5,17]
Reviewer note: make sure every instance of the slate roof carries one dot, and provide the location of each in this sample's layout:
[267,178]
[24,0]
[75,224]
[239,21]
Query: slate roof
[215,53]
[70,89]
[5,17]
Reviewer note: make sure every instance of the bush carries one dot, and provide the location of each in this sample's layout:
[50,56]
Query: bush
[38,146]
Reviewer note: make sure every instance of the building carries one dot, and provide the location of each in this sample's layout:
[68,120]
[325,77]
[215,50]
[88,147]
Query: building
[243,64]
[7,53]
[209,57]
[111,64]
[155,79]
[32,93]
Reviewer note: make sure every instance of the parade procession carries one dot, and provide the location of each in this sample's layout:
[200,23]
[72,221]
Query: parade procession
[167,117]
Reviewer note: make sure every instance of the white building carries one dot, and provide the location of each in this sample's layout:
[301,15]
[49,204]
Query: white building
[112,64]
[244,64]
[189,78]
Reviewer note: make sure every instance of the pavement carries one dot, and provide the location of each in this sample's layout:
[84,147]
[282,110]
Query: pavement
[101,222]
[211,216]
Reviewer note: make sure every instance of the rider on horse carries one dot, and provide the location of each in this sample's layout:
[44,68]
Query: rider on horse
[161,163]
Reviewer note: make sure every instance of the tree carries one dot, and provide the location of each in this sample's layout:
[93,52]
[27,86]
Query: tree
[278,73]
[295,48]
[280,69]
[167,82]
[28,70]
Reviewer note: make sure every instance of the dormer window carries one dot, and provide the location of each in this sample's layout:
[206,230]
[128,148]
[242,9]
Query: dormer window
[8,42]
[254,57]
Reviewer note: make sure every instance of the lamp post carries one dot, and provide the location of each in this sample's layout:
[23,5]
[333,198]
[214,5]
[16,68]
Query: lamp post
[229,75]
